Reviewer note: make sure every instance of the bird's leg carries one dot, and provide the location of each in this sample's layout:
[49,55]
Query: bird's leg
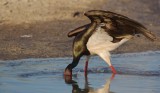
[113,69]
[86,66]
[106,58]
[112,77]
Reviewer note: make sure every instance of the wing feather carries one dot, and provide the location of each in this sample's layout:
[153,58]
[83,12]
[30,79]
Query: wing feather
[123,24]
[78,30]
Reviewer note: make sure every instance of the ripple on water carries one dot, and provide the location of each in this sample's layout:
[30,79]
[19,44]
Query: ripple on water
[144,64]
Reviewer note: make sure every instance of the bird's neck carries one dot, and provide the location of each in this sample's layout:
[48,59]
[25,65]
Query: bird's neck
[90,31]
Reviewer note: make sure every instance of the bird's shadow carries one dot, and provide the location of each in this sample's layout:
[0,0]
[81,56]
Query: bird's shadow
[87,88]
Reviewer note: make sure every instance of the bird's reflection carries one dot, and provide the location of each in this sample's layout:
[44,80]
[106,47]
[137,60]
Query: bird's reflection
[87,88]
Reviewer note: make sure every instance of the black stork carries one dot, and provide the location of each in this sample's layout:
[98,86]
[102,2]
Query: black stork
[105,33]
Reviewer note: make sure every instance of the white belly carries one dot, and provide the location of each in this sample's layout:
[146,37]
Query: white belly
[100,41]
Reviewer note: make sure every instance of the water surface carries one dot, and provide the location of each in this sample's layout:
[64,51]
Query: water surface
[137,73]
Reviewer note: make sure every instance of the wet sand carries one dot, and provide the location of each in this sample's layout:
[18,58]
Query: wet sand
[42,33]
[137,73]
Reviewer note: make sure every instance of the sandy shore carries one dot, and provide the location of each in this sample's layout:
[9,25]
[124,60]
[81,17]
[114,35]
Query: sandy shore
[38,29]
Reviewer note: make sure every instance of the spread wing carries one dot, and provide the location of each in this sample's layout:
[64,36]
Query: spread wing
[118,25]
[78,30]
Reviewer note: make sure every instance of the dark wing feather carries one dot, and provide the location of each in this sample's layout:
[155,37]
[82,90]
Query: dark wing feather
[123,24]
[78,30]
[111,15]
[135,28]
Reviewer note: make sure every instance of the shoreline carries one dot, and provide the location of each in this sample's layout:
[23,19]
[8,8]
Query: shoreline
[70,57]
[42,32]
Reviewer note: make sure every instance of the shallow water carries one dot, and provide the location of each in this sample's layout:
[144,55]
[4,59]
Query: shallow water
[137,73]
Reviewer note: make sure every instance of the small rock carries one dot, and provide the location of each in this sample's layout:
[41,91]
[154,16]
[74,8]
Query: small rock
[26,36]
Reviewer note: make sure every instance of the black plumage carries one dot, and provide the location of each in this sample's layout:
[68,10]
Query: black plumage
[116,26]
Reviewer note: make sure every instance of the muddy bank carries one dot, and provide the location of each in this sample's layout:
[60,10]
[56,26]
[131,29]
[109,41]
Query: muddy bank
[48,39]
[46,35]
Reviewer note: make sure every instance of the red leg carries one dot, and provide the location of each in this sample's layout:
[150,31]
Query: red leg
[86,68]
[113,69]
[112,77]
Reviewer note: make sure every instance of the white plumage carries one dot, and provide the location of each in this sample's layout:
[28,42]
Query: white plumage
[106,32]
[101,42]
